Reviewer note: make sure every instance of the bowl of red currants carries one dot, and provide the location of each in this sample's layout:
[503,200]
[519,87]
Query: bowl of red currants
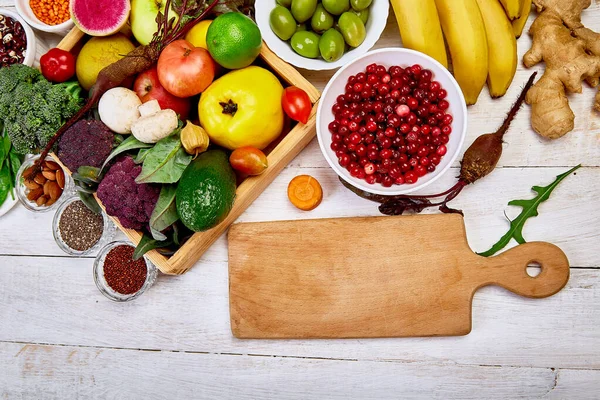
[392,121]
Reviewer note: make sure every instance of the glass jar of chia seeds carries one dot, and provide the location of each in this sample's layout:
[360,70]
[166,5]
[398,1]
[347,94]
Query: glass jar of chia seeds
[78,231]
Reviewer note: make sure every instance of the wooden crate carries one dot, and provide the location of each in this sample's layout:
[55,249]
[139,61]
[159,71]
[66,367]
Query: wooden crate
[251,187]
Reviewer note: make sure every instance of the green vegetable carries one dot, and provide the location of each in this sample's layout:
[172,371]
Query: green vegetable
[141,156]
[10,162]
[5,183]
[530,209]
[165,212]
[147,243]
[90,202]
[33,109]
[131,143]
[165,162]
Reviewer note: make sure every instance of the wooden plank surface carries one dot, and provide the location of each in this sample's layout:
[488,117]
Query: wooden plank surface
[179,330]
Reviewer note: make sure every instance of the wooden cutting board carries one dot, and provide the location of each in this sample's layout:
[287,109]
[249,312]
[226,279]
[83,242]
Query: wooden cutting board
[371,277]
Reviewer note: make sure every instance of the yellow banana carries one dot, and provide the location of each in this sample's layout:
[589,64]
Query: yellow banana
[420,27]
[519,23]
[502,47]
[512,8]
[465,33]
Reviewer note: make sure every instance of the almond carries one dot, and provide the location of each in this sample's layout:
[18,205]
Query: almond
[50,202]
[29,184]
[54,191]
[50,175]
[51,165]
[35,193]
[60,178]
[28,171]
[40,179]
[41,200]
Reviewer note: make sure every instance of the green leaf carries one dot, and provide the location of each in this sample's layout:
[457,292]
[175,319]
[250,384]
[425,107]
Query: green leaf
[131,143]
[141,156]
[165,162]
[164,213]
[90,202]
[146,244]
[4,149]
[530,209]
[14,165]
[5,183]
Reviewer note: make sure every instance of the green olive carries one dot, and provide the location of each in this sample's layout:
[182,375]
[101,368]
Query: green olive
[332,45]
[352,29]
[363,15]
[302,10]
[301,27]
[321,20]
[360,5]
[282,22]
[336,7]
[306,44]
[285,3]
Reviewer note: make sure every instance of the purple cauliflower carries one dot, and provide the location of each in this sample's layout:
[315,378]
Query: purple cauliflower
[132,203]
[85,143]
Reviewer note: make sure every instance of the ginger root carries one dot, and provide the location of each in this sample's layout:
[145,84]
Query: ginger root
[571,53]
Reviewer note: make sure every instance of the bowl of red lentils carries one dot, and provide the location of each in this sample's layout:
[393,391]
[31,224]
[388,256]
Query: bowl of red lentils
[46,15]
[119,276]
[16,40]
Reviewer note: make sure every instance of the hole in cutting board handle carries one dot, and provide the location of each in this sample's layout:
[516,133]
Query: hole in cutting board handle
[533,269]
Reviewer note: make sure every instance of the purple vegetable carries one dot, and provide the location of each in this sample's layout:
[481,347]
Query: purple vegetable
[85,143]
[130,202]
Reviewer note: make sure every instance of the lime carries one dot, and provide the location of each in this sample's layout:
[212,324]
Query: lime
[233,40]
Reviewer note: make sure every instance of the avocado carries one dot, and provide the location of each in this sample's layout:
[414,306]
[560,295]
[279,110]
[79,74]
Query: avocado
[206,191]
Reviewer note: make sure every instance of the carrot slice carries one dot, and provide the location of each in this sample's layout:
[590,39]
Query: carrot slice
[305,192]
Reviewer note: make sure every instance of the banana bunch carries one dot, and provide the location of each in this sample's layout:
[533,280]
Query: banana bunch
[480,35]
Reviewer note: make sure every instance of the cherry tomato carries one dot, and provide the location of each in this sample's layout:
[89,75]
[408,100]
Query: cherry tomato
[58,65]
[296,104]
[248,160]
[185,70]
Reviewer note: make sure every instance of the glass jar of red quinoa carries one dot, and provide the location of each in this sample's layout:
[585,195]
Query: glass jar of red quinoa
[118,276]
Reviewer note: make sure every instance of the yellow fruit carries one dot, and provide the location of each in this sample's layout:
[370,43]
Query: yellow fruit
[420,27]
[243,108]
[464,30]
[502,47]
[98,53]
[197,35]
[519,23]
[512,8]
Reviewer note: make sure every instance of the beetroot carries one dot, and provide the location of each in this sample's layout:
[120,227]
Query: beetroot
[100,17]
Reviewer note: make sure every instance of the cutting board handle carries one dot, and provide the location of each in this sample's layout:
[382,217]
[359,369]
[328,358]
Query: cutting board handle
[509,270]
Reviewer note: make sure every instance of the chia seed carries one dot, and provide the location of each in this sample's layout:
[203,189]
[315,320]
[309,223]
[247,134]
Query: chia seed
[79,227]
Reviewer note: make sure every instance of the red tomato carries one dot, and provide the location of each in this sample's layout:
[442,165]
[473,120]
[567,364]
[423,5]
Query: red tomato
[296,104]
[185,70]
[248,160]
[58,65]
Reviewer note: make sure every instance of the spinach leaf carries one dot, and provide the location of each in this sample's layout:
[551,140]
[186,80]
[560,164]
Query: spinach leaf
[90,202]
[165,162]
[165,212]
[14,163]
[4,150]
[5,183]
[141,156]
[131,143]
[146,244]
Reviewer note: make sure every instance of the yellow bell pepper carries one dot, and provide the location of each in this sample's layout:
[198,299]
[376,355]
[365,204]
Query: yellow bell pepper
[243,108]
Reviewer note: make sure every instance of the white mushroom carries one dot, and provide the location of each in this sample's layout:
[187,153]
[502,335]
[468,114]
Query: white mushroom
[118,109]
[154,123]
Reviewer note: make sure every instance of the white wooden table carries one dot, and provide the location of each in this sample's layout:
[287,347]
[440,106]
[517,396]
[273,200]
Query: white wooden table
[60,338]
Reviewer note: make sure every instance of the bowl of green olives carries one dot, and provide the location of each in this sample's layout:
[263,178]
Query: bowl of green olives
[321,34]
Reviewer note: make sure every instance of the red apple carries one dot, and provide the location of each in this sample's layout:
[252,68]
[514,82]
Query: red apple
[148,87]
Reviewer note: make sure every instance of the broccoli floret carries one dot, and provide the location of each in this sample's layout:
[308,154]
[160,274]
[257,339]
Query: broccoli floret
[33,108]
[132,203]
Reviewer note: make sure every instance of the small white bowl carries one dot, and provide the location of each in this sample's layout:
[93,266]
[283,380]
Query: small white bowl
[378,14]
[389,57]
[24,10]
[31,39]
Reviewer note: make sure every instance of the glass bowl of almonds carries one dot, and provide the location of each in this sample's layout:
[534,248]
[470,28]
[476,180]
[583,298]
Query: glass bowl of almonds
[42,192]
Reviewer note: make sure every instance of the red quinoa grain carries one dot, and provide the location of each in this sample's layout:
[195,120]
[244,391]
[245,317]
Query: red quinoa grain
[122,273]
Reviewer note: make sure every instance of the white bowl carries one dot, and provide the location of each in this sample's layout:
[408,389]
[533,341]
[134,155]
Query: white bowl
[24,10]
[378,14]
[31,39]
[389,57]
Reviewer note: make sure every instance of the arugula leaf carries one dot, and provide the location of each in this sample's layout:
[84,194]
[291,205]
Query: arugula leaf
[530,209]
[165,162]
[146,244]
[131,143]
[165,212]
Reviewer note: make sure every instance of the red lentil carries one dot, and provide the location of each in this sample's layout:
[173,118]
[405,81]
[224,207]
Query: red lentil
[51,12]
[122,273]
